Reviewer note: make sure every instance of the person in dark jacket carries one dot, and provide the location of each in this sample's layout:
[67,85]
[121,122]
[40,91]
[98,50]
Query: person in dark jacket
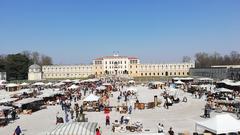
[171,132]
[18,131]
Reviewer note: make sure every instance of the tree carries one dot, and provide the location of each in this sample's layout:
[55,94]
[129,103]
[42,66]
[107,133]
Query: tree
[235,58]
[207,60]
[2,63]
[27,53]
[36,57]
[202,60]
[17,66]
[186,59]
[46,60]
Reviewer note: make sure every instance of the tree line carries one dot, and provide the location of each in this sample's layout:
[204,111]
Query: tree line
[204,60]
[16,65]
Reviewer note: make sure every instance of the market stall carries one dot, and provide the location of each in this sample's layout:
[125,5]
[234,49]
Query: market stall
[49,96]
[131,83]
[7,101]
[101,89]
[108,86]
[39,85]
[24,85]
[11,87]
[4,112]
[29,105]
[91,103]
[156,85]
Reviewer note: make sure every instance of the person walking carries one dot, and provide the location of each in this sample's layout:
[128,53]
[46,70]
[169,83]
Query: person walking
[107,120]
[171,132]
[76,108]
[13,115]
[122,120]
[160,128]
[119,98]
[98,132]
[17,131]
[66,118]
[71,112]
[130,109]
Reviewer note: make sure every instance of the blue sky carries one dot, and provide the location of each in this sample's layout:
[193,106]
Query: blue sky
[74,32]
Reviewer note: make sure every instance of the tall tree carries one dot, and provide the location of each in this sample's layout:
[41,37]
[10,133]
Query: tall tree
[36,57]
[2,63]
[206,60]
[202,60]
[46,60]
[17,66]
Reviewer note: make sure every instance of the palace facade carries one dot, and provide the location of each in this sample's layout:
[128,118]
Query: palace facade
[111,65]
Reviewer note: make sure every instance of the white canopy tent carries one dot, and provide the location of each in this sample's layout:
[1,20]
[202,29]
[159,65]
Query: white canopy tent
[107,84]
[19,92]
[59,84]
[26,101]
[179,82]
[74,128]
[49,93]
[24,84]
[131,81]
[11,85]
[7,100]
[134,89]
[2,108]
[91,98]
[67,81]
[230,82]
[205,79]
[157,83]
[74,86]
[220,124]
[183,79]
[224,90]
[38,84]
[76,81]
[49,84]
[101,88]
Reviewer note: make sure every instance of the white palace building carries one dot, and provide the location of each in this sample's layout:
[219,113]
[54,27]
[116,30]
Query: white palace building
[109,65]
